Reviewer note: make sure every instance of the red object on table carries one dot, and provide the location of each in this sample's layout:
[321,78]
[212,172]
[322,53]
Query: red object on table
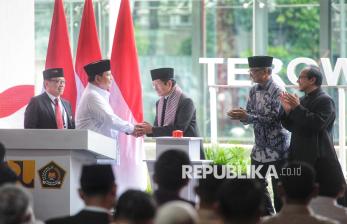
[177,134]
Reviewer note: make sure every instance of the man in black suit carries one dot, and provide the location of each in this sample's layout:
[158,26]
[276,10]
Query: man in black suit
[174,110]
[310,119]
[49,110]
[98,191]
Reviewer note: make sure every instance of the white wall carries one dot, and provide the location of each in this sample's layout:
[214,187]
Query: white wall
[17,51]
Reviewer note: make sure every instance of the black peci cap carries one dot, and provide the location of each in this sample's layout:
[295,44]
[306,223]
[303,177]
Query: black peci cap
[97,178]
[260,61]
[97,67]
[162,73]
[53,73]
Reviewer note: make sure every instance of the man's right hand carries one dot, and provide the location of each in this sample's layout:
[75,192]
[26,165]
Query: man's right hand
[147,127]
[238,114]
[138,131]
[284,102]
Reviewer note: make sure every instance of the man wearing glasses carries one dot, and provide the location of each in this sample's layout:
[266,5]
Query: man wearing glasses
[174,110]
[49,110]
[310,119]
[263,111]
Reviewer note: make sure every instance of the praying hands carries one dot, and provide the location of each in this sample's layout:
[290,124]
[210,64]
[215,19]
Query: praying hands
[289,101]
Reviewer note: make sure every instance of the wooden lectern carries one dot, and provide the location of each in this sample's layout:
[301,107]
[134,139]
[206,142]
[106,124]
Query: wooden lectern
[49,163]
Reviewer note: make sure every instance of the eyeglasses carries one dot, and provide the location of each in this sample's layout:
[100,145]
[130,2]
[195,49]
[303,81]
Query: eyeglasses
[58,81]
[255,70]
[302,77]
[157,84]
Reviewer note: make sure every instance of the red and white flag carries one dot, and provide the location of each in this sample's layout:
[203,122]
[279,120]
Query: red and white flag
[126,101]
[88,49]
[12,100]
[59,52]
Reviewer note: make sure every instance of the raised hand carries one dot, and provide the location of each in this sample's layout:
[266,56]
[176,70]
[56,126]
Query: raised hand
[293,100]
[289,101]
[284,102]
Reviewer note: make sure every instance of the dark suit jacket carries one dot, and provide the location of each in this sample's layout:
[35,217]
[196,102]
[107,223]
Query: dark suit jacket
[83,217]
[311,126]
[39,113]
[185,120]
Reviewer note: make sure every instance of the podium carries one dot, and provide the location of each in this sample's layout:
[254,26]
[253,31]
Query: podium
[190,145]
[49,163]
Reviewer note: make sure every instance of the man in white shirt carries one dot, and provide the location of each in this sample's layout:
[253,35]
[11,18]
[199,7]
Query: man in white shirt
[94,111]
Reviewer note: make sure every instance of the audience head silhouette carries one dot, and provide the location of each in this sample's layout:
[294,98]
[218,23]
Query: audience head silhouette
[240,200]
[300,186]
[207,188]
[15,205]
[176,212]
[98,186]
[97,179]
[168,170]
[135,207]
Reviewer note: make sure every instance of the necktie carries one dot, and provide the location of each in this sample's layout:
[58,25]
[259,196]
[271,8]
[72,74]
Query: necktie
[58,114]
[163,113]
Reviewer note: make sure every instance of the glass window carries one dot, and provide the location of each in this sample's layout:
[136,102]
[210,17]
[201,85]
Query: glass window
[228,35]
[175,33]
[73,13]
[163,32]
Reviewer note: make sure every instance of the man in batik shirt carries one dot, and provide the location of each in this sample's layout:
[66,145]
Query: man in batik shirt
[271,139]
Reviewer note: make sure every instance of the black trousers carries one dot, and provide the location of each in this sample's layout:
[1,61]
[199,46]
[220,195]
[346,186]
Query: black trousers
[268,208]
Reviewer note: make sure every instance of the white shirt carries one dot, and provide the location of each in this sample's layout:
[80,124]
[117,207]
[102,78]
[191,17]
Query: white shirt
[94,112]
[328,207]
[52,98]
[97,209]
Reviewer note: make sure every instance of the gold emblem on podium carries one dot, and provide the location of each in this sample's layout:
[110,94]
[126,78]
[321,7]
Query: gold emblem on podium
[51,175]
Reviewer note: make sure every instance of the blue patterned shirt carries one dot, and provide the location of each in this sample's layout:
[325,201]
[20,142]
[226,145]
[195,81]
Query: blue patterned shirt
[263,108]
